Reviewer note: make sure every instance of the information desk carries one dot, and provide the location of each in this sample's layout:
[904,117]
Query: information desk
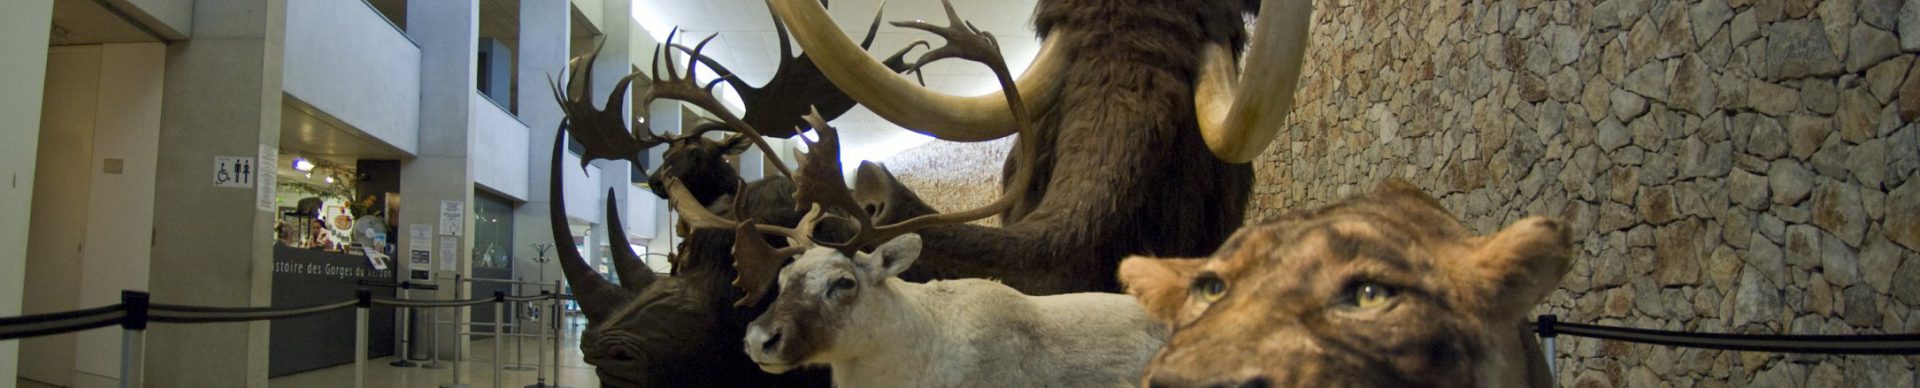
[305,277]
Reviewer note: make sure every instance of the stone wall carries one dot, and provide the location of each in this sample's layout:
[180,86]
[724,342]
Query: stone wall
[953,176]
[1738,166]
[1729,166]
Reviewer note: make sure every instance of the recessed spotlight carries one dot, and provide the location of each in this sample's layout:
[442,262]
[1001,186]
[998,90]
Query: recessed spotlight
[302,164]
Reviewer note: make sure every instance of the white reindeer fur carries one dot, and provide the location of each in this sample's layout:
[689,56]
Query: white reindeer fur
[977,333]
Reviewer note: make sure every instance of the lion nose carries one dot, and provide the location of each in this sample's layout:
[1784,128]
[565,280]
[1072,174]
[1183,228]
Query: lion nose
[1176,382]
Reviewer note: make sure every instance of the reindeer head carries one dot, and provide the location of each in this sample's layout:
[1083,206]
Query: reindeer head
[825,291]
[1385,289]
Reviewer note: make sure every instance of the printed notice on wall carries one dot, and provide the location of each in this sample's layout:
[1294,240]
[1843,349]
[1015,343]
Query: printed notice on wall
[452,213]
[449,249]
[233,171]
[269,175]
[420,236]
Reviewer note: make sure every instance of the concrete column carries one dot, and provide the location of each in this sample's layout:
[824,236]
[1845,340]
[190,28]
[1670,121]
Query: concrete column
[23,36]
[222,98]
[442,173]
[544,29]
[615,61]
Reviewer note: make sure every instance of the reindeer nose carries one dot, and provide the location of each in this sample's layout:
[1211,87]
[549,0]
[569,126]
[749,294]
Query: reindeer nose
[771,343]
[763,340]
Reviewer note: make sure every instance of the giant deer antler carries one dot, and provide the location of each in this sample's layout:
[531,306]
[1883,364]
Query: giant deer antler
[601,130]
[820,185]
[942,116]
[773,106]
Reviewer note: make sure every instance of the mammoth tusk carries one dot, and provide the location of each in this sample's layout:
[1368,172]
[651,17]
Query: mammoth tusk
[1238,121]
[952,118]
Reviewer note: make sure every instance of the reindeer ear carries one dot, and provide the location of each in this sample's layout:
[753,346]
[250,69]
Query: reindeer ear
[1160,284]
[894,256]
[735,144]
[1514,269]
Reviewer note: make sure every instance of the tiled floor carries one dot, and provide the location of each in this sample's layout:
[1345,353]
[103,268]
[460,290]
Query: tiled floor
[477,373]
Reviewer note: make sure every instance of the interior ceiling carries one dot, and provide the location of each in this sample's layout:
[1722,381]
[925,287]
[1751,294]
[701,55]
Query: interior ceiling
[748,45]
[78,22]
[304,133]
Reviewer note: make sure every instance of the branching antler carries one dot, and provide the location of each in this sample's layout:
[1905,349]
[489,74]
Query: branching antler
[819,183]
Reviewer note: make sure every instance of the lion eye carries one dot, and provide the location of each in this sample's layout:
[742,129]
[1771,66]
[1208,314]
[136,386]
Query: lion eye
[1209,287]
[1371,295]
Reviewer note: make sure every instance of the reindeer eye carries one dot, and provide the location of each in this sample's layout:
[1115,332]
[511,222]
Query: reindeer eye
[1209,287]
[841,284]
[1369,295]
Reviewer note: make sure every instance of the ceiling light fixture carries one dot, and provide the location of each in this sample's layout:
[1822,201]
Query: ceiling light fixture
[302,164]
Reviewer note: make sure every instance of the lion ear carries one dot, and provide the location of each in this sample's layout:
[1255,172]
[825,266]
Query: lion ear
[1514,269]
[1160,284]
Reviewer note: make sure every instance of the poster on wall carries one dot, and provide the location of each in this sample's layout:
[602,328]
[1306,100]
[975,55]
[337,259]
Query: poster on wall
[269,175]
[420,237]
[452,213]
[449,248]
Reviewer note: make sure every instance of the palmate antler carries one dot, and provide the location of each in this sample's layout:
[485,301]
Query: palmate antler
[819,184]
[774,108]
[602,130]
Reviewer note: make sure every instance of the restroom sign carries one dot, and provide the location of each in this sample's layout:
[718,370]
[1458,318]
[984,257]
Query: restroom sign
[233,171]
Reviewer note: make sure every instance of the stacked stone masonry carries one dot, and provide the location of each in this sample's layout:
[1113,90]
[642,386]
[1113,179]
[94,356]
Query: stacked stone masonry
[1743,166]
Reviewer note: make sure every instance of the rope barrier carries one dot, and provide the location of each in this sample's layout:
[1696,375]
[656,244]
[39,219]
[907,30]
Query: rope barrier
[431,303]
[134,316]
[61,322]
[198,314]
[1548,326]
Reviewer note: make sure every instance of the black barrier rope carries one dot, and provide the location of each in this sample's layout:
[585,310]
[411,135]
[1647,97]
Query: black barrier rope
[432,303]
[198,314]
[61,322]
[135,311]
[1548,326]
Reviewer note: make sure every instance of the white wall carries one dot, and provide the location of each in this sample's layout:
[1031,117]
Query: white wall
[499,149]
[344,58]
[585,202]
[120,210]
[58,230]
[92,228]
[23,36]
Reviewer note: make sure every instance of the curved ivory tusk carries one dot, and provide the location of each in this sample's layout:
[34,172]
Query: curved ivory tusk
[1238,121]
[952,118]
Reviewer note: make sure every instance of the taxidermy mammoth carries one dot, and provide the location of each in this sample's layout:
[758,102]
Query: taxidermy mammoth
[1135,128]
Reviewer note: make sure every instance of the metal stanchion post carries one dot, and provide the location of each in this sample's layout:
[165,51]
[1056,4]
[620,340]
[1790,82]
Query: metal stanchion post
[403,343]
[1544,327]
[539,361]
[360,313]
[433,340]
[460,334]
[133,339]
[499,306]
[519,345]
